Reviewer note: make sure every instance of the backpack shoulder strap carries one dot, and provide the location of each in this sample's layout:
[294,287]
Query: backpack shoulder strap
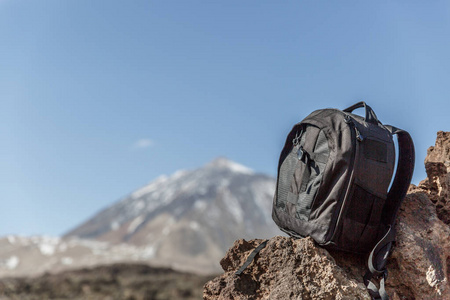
[378,256]
[403,175]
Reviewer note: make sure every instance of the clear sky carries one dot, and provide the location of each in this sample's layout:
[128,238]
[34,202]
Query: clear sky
[98,98]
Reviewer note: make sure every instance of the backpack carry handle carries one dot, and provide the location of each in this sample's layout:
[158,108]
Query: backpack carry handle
[371,117]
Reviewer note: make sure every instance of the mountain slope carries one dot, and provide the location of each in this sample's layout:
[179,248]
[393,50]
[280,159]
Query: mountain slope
[189,220]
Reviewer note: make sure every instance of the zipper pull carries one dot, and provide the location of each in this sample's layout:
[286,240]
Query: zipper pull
[349,120]
[359,136]
[300,153]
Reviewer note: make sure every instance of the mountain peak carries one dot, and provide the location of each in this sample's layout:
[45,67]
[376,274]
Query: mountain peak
[225,163]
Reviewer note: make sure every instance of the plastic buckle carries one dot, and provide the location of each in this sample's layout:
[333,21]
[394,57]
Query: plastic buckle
[359,136]
[297,138]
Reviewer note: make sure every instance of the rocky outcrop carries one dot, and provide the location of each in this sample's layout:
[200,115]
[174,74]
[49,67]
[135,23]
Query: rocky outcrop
[284,269]
[419,266]
[437,183]
[420,263]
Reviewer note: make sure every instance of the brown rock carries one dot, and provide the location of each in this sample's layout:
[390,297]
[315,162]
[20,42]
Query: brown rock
[285,269]
[437,183]
[420,263]
[419,267]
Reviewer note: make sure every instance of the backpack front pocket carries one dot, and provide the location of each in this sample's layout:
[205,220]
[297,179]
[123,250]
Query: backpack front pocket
[301,172]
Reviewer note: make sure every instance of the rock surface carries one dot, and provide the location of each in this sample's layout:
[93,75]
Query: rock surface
[286,269]
[419,266]
[437,183]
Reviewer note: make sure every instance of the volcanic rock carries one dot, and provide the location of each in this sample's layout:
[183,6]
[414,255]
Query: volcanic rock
[285,269]
[437,183]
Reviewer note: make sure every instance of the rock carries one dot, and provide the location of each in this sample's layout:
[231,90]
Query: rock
[419,266]
[285,269]
[420,263]
[437,183]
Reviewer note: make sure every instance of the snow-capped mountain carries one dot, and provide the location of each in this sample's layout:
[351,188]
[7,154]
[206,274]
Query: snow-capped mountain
[189,220]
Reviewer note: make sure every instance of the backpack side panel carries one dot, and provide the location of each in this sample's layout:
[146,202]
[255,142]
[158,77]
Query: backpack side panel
[359,225]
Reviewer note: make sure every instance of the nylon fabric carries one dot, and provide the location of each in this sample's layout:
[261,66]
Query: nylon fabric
[317,165]
[286,174]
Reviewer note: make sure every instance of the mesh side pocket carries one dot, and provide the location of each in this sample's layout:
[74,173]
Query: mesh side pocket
[317,166]
[286,174]
[306,199]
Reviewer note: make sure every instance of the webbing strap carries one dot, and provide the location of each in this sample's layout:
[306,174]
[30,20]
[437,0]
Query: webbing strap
[377,293]
[403,176]
[378,256]
[306,157]
[251,257]
[377,266]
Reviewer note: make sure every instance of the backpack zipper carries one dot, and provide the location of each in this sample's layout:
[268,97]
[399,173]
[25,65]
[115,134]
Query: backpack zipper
[349,120]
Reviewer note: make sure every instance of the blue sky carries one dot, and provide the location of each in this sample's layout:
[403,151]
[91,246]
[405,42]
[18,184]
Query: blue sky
[98,98]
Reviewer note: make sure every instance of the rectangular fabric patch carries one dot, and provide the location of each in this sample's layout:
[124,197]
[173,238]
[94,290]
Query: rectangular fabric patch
[375,150]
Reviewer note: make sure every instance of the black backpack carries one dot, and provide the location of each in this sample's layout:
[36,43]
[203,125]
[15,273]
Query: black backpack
[333,183]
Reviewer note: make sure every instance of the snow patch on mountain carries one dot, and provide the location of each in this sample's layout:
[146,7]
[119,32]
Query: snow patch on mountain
[114,225]
[200,205]
[67,261]
[135,223]
[225,163]
[11,239]
[150,187]
[234,207]
[11,262]
[194,225]
[47,245]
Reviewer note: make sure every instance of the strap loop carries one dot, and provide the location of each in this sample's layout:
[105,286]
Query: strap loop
[374,292]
